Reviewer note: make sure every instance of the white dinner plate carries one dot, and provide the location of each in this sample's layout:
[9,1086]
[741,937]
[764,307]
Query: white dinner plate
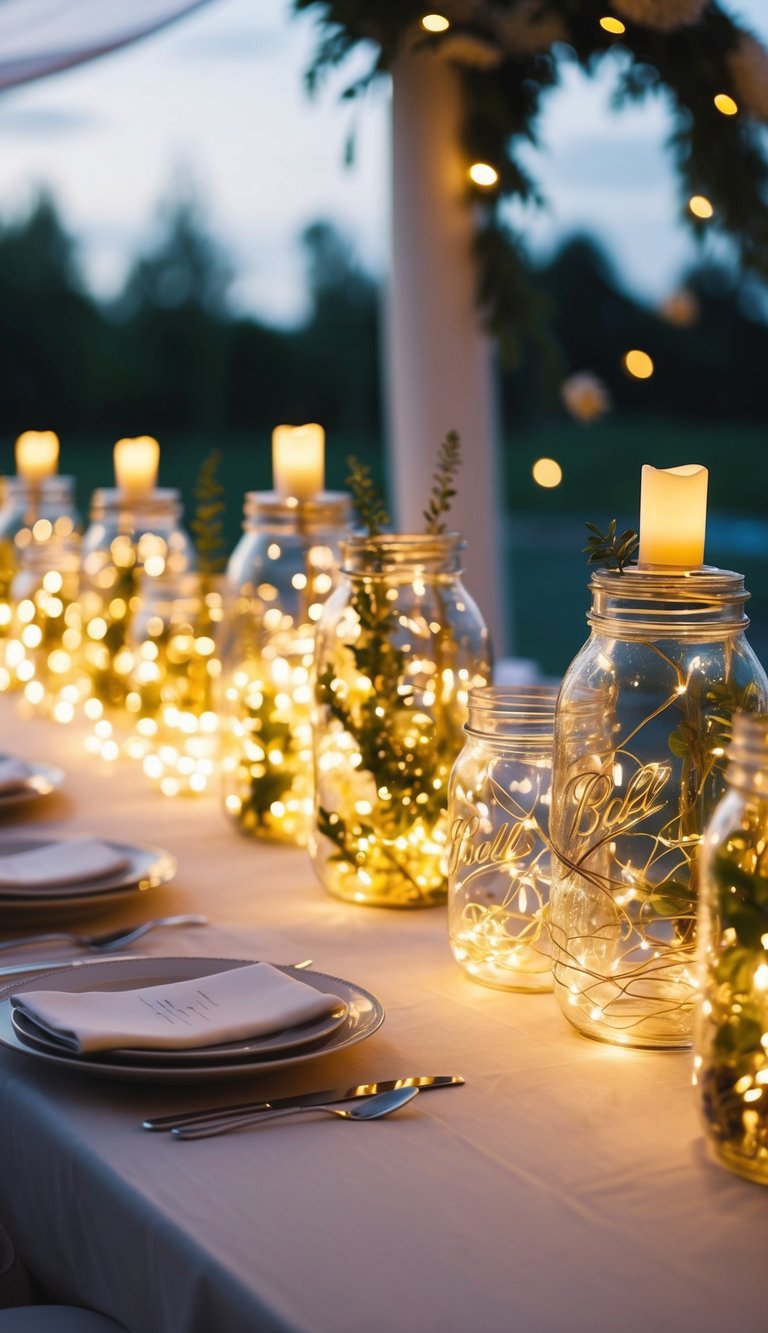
[254,1048]
[41,780]
[364,1015]
[146,868]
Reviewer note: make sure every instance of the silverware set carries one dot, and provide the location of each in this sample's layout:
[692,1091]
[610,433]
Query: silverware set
[381,1099]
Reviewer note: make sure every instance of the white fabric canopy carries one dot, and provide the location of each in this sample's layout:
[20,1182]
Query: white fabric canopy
[39,37]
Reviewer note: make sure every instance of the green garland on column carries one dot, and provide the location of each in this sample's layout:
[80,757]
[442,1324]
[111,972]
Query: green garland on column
[510,53]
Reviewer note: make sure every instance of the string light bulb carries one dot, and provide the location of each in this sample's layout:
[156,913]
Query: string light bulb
[639,364]
[483,174]
[435,23]
[612,25]
[725,104]
[700,206]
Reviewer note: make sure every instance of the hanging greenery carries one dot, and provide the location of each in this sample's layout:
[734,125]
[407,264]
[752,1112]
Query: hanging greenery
[511,53]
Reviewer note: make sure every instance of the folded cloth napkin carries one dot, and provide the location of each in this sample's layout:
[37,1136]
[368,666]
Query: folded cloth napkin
[60,863]
[14,773]
[242,1002]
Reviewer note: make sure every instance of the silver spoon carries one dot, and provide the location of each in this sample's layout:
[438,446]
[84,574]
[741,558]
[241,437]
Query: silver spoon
[107,940]
[372,1108]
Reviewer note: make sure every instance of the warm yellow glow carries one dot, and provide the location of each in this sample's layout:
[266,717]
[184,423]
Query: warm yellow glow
[700,206]
[298,461]
[435,23]
[136,465]
[726,104]
[613,25]
[547,473]
[673,515]
[639,364]
[37,455]
[483,174]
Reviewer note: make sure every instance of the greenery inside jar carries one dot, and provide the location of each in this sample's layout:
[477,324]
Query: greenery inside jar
[399,646]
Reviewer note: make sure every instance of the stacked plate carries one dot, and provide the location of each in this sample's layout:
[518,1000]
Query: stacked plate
[357,1016]
[21,782]
[53,876]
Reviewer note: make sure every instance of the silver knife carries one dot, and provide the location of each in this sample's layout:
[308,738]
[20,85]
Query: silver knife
[51,964]
[211,1114]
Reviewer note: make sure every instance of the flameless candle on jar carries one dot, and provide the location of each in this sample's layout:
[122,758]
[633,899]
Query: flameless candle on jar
[136,466]
[37,455]
[642,723]
[673,516]
[298,461]
[135,537]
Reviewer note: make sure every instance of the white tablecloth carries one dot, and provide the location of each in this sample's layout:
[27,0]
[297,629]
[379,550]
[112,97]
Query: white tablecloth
[565,1187]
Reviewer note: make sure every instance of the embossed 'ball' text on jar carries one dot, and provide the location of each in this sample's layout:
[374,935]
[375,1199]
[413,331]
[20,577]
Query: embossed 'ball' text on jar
[399,646]
[643,719]
[731,1040]
[499,861]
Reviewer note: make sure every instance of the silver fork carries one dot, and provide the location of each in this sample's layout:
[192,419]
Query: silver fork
[107,940]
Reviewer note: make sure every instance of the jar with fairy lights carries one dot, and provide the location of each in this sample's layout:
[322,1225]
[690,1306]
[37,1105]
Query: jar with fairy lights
[399,646]
[173,680]
[498,850]
[41,651]
[278,578]
[135,536]
[731,1034]
[642,725]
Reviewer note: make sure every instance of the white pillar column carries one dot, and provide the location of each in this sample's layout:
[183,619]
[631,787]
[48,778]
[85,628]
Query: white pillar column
[439,359]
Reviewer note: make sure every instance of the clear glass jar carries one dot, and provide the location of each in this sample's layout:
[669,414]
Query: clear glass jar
[173,682]
[498,854]
[731,1042]
[128,544]
[399,646]
[643,719]
[280,574]
[39,585]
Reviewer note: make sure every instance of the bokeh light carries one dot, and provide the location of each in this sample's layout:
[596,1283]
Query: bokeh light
[435,23]
[726,104]
[700,206]
[612,25]
[482,173]
[639,364]
[547,473]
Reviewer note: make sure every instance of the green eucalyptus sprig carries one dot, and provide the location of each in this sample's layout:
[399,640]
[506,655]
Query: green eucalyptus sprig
[443,479]
[207,525]
[369,506]
[604,548]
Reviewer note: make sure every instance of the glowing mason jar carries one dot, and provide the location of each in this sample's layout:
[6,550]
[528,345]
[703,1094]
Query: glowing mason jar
[731,1041]
[498,850]
[643,719]
[279,576]
[171,696]
[399,646]
[129,544]
[39,585]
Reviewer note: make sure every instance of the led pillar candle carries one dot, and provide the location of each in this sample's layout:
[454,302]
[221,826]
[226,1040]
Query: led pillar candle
[136,465]
[673,516]
[298,461]
[37,455]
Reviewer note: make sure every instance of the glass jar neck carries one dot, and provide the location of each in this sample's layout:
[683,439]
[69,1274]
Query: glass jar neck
[266,511]
[514,718]
[159,510]
[52,498]
[748,754]
[659,602]
[403,555]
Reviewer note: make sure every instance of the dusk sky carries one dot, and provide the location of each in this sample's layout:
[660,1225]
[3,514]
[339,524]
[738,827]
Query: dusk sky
[219,97]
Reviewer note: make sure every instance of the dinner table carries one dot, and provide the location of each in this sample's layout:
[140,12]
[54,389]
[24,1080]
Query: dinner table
[564,1186]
